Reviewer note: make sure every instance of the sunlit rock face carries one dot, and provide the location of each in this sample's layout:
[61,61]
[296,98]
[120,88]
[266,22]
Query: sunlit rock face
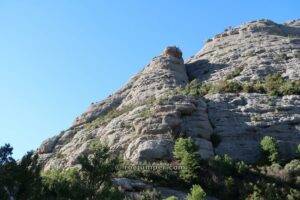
[143,119]
[258,49]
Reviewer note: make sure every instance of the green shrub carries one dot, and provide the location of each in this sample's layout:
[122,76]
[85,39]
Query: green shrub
[63,184]
[195,88]
[230,189]
[162,99]
[265,191]
[158,175]
[256,118]
[205,89]
[190,164]
[6,152]
[219,178]
[259,87]
[99,166]
[109,193]
[19,180]
[93,181]
[273,83]
[294,194]
[8,166]
[197,193]
[290,87]
[97,169]
[172,198]
[224,86]
[241,167]
[150,195]
[151,100]
[184,146]
[191,89]
[236,72]
[269,150]
[293,170]
[106,118]
[222,164]
[293,167]
[185,151]
[146,113]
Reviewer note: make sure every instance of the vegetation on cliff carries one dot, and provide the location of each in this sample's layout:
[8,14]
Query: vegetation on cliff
[220,177]
[273,85]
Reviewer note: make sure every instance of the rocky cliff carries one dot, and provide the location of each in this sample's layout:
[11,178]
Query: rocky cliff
[143,119]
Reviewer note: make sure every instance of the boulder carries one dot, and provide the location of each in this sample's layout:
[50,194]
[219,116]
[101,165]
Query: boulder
[144,149]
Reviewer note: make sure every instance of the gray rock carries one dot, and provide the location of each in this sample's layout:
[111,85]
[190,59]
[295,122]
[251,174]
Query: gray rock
[167,192]
[206,149]
[260,45]
[130,184]
[48,145]
[145,149]
[241,130]
[148,130]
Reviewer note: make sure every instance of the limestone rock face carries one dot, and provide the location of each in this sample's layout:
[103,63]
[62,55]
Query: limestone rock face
[143,119]
[242,125]
[259,48]
[152,120]
[164,73]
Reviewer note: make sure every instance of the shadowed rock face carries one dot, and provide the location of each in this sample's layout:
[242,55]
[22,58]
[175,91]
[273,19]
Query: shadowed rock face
[147,117]
[233,118]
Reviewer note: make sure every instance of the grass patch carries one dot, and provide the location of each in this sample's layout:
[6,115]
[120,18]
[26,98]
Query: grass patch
[256,118]
[273,85]
[106,118]
[224,86]
[234,73]
[146,113]
[194,88]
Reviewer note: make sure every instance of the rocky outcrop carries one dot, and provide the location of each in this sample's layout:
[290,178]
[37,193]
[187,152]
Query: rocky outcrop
[242,120]
[143,119]
[259,48]
[249,53]
[149,118]
[164,73]
[167,120]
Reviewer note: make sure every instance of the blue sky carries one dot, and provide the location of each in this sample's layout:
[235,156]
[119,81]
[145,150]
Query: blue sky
[58,56]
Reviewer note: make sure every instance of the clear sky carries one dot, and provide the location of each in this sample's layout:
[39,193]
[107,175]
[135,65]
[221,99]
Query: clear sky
[58,56]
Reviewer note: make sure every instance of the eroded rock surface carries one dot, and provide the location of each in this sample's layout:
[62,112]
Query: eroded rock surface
[150,115]
[259,48]
[153,119]
[242,120]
